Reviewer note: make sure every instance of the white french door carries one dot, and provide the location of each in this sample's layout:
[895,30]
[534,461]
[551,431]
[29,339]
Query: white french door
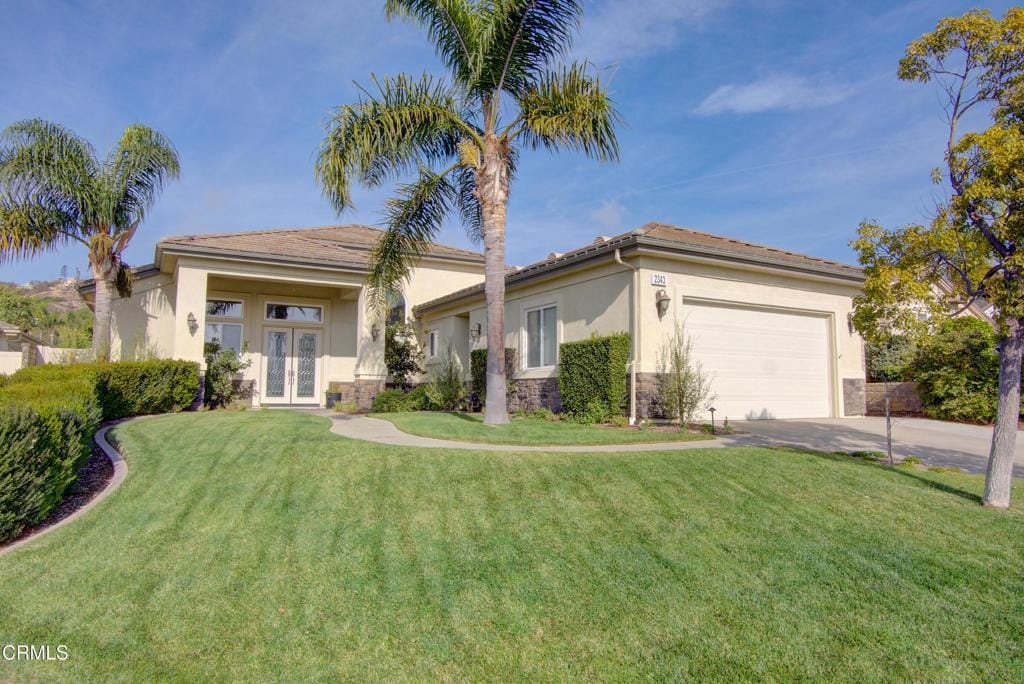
[291,362]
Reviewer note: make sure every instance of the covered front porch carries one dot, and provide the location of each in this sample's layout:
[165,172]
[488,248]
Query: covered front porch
[303,331]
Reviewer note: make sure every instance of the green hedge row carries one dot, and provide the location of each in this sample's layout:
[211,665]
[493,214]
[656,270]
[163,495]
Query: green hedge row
[49,414]
[593,373]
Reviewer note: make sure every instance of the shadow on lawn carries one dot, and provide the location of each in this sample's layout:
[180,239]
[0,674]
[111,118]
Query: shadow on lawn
[903,471]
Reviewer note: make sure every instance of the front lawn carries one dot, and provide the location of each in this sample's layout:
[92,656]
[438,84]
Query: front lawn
[469,427]
[257,546]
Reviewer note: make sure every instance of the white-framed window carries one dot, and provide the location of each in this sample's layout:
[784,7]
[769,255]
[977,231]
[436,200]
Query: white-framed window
[294,312]
[396,308]
[226,335]
[223,308]
[224,323]
[433,343]
[542,337]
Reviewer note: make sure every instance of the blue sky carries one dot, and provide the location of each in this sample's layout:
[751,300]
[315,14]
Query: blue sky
[769,120]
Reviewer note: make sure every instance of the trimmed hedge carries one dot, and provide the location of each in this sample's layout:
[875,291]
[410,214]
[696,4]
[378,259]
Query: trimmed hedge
[594,372]
[478,373]
[49,414]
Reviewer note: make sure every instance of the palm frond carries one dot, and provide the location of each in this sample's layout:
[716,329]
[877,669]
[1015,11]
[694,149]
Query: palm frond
[470,212]
[413,218]
[28,228]
[453,26]
[407,122]
[522,37]
[44,165]
[570,109]
[135,172]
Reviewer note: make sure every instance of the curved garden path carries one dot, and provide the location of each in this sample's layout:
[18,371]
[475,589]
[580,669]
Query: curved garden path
[385,432]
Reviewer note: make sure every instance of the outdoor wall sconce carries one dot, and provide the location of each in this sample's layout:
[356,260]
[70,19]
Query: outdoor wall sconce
[375,332]
[193,324]
[475,332]
[662,300]
[849,323]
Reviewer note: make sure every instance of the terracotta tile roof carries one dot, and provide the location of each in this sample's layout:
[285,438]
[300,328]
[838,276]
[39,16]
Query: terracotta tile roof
[342,245]
[664,236]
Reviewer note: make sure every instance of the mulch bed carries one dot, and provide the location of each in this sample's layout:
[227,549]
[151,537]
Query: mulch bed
[93,476]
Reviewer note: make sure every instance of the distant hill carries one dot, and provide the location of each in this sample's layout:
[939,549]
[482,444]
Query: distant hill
[61,295]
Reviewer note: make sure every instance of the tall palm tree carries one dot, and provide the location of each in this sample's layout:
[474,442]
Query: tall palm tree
[461,137]
[54,191]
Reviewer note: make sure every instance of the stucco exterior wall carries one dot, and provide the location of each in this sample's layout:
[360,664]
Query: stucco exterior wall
[142,326]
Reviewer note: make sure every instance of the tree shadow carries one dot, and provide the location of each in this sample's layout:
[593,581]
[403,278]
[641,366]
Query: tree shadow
[902,471]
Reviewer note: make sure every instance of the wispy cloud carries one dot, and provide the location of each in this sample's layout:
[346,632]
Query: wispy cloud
[616,30]
[776,91]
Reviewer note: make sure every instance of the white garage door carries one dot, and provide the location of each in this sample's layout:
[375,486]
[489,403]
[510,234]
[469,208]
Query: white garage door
[762,363]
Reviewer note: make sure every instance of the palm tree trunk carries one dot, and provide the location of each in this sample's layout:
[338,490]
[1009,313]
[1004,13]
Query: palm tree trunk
[103,277]
[492,189]
[999,476]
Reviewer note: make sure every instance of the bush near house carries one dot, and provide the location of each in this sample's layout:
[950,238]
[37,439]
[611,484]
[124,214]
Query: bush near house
[957,371]
[592,376]
[400,401]
[49,414]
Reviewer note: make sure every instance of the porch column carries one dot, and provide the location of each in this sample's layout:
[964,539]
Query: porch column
[191,299]
[371,372]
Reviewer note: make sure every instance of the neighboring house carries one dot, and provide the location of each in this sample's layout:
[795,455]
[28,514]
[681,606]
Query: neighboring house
[292,299]
[771,328]
[17,349]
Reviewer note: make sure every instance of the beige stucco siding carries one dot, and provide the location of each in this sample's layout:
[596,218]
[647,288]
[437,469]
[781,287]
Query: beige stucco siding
[588,301]
[142,326]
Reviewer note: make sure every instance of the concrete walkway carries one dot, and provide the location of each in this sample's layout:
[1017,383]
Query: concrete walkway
[385,432]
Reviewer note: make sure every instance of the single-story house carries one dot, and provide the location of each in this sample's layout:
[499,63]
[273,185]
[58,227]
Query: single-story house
[293,300]
[18,349]
[770,327]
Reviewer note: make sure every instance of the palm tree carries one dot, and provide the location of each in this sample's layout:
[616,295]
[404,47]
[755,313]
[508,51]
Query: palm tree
[54,191]
[461,137]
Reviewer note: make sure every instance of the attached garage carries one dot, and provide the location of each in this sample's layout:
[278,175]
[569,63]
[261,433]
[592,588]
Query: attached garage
[763,363]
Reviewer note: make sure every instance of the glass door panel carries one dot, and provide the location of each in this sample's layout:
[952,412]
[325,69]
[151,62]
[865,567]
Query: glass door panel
[278,351]
[305,364]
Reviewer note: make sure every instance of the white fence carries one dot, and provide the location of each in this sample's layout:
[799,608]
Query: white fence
[10,361]
[62,355]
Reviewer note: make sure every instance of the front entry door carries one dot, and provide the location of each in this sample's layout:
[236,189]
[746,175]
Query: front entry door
[291,359]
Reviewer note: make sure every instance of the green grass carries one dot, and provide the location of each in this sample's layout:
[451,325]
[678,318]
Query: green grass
[469,427]
[257,546]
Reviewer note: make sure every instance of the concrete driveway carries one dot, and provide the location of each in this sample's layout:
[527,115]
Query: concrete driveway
[936,442]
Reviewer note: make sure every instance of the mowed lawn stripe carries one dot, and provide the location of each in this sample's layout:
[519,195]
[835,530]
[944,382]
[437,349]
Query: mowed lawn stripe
[258,546]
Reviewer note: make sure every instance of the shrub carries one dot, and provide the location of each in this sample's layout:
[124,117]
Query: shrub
[446,390]
[618,421]
[593,373]
[685,390]
[346,407]
[542,413]
[957,371]
[891,360]
[49,414]
[913,460]
[222,366]
[595,412]
[402,356]
[478,374]
[400,401]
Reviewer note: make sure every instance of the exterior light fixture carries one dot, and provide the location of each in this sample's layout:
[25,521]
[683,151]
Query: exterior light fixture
[193,324]
[475,332]
[662,300]
[849,323]
[375,332]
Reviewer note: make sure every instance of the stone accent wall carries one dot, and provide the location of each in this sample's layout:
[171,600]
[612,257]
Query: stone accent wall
[853,396]
[532,394]
[360,392]
[647,389]
[903,399]
[243,388]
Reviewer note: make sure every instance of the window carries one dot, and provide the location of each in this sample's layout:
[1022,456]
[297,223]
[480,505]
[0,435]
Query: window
[432,343]
[223,308]
[541,337]
[290,312]
[396,309]
[227,335]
